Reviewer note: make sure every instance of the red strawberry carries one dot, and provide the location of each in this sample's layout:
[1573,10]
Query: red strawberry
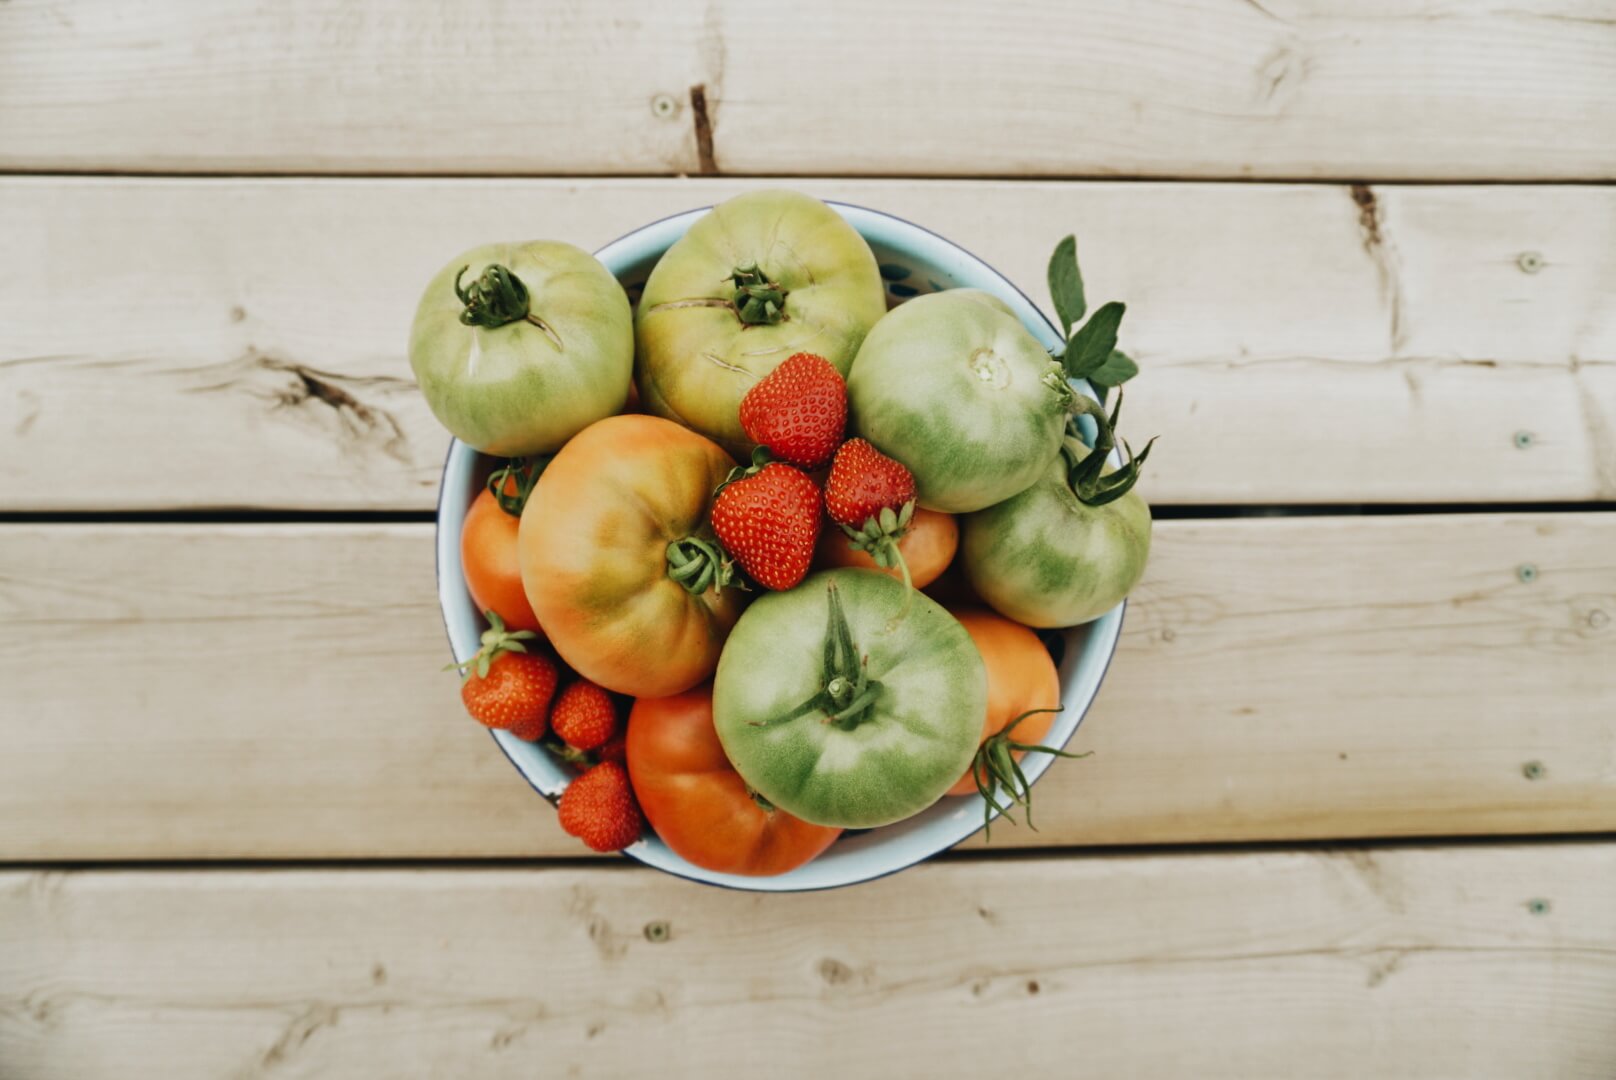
[616,749]
[599,808]
[507,687]
[798,410]
[584,716]
[769,520]
[863,482]
[872,498]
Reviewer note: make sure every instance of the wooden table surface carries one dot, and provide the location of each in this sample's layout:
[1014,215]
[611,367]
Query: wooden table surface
[1351,807]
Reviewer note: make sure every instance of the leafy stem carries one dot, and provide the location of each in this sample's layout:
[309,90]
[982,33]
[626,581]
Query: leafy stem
[995,768]
[1091,350]
[497,298]
[758,301]
[1086,467]
[879,536]
[846,691]
[495,640]
[513,482]
[699,564]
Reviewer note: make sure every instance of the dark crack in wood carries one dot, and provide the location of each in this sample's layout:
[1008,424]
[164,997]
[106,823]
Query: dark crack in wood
[1376,244]
[707,165]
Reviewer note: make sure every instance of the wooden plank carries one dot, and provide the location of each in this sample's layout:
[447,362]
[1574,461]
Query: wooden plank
[1476,962]
[1284,88]
[245,341]
[202,691]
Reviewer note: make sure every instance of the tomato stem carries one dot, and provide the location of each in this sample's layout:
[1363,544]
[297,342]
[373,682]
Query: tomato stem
[1086,468]
[995,769]
[758,301]
[497,298]
[846,689]
[697,563]
[523,473]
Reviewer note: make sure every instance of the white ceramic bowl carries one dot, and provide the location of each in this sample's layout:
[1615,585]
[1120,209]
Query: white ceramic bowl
[913,261]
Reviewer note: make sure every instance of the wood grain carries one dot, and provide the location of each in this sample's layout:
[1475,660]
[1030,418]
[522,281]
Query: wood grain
[1476,962]
[263,691]
[1283,88]
[1301,344]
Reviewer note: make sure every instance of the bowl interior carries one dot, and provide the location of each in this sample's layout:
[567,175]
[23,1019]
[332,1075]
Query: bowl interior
[913,261]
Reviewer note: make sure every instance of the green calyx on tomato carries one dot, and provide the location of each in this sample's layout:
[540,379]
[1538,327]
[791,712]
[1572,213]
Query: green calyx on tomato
[758,301]
[497,298]
[996,768]
[847,691]
[513,482]
[1086,467]
[699,564]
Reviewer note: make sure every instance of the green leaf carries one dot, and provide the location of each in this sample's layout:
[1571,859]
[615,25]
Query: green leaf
[1066,284]
[1093,345]
[1117,369]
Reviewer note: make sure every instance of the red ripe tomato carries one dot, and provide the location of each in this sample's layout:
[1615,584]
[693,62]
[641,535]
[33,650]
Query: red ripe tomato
[1021,678]
[490,560]
[696,801]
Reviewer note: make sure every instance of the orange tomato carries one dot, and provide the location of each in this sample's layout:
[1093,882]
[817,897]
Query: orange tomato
[696,801]
[488,557]
[595,545]
[1021,677]
[927,546]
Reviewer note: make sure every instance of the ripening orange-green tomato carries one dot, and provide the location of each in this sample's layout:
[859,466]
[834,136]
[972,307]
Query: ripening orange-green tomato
[493,569]
[928,547]
[619,560]
[696,801]
[1021,677]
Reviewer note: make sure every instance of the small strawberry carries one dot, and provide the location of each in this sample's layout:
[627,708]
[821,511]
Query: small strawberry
[599,808]
[798,410]
[616,749]
[507,687]
[768,518]
[872,498]
[863,481]
[584,716]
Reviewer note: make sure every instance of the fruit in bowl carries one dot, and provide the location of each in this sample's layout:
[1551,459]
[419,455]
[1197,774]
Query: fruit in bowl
[518,347]
[763,276]
[721,539]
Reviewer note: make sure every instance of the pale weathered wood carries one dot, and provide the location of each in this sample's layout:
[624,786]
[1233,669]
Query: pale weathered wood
[1421,962]
[229,343]
[1282,88]
[176,691]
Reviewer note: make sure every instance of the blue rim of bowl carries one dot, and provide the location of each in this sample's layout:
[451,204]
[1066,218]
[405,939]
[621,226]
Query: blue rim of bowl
[1105,665]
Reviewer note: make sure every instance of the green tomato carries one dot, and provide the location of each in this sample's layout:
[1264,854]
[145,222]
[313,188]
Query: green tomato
[953,386]
[1047,559]
[547,351]
[850,700]
[707,328]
